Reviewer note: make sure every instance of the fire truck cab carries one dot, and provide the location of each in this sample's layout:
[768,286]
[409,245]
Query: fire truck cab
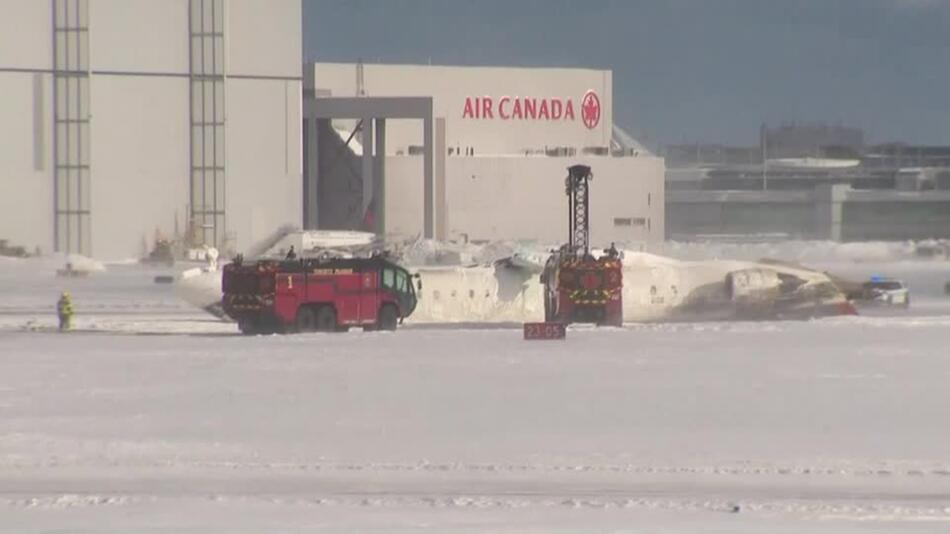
[317,295]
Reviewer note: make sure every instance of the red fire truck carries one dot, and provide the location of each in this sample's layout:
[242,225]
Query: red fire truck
[579,288]
[584,289]
[317,295]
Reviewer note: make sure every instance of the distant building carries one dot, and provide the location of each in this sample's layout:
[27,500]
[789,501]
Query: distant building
[809,189]
[816,140]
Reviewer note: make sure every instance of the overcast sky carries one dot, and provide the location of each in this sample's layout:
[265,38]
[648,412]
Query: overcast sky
[684,70]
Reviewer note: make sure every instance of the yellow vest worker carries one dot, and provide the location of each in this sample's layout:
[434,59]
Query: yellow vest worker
[64,309]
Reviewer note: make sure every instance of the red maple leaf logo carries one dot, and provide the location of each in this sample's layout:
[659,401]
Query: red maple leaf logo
[590,109]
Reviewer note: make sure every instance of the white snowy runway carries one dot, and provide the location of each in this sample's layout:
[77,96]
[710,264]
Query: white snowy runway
[833,423]
[152,418]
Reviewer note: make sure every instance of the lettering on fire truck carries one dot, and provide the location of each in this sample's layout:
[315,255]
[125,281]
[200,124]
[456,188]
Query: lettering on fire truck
[332,271]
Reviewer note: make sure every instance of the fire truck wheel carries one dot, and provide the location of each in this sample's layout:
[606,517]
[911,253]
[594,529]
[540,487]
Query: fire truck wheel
[326,319]
[248,327]
[548,309]
[306,320]
[388,317]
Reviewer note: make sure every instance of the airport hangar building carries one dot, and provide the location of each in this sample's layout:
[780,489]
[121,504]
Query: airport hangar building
[482,155]
[199,119]
[123,117]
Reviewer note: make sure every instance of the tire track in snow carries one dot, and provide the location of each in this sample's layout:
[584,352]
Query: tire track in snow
[822,510]
[883,470]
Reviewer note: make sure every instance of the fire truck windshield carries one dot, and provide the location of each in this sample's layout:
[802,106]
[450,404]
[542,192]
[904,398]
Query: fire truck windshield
[399,280]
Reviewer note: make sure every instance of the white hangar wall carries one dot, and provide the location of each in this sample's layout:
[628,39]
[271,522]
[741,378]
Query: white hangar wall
[504,163]
[523,198]
[134,118]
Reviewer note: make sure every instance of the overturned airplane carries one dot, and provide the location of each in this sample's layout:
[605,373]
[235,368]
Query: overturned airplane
[503,285]
[656,289]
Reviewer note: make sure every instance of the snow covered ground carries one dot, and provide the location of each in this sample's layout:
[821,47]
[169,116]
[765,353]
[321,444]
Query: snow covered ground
[155,417]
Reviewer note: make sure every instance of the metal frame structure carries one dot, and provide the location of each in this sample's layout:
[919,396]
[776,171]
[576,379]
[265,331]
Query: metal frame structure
[577,188]
[373,112]
[207,191]
[71,165]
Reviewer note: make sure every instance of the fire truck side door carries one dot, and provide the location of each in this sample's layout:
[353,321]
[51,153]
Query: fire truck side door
[289,285]
[369,295]
[347,294]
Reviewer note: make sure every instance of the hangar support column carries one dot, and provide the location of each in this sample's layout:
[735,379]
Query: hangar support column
[207,223]
[427,188]
[379,176]
[368,164]
[310,154]
[371,109]
[441,209]
[826,204]
[72,207]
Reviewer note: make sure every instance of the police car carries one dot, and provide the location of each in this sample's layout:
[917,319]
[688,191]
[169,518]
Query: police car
[885,291]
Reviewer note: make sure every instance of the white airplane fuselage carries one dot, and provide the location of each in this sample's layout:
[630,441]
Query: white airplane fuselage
[655,289]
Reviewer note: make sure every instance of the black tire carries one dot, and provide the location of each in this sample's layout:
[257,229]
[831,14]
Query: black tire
[548,307]
[248,327]
[326,319]
[388,317]
[306,320]
[257,327]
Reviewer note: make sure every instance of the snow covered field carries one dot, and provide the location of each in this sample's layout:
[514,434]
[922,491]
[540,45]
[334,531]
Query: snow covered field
[155,417]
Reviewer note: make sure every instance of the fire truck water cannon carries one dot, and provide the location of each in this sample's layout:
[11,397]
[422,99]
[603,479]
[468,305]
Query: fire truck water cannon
[578,287]
[317,294]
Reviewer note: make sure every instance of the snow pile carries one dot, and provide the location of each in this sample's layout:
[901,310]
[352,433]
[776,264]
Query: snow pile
[429,252]
[264,246]
[798,251]
[48,265]
[421,252]
[83,264]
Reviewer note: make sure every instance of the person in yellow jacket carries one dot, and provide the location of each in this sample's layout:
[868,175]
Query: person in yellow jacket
[64,309]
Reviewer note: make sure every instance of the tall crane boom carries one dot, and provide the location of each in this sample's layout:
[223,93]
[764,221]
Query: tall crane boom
[577,187]
[579,288]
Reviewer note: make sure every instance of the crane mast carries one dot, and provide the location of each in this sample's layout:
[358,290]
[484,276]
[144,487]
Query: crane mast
[579,288]
[577,188]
